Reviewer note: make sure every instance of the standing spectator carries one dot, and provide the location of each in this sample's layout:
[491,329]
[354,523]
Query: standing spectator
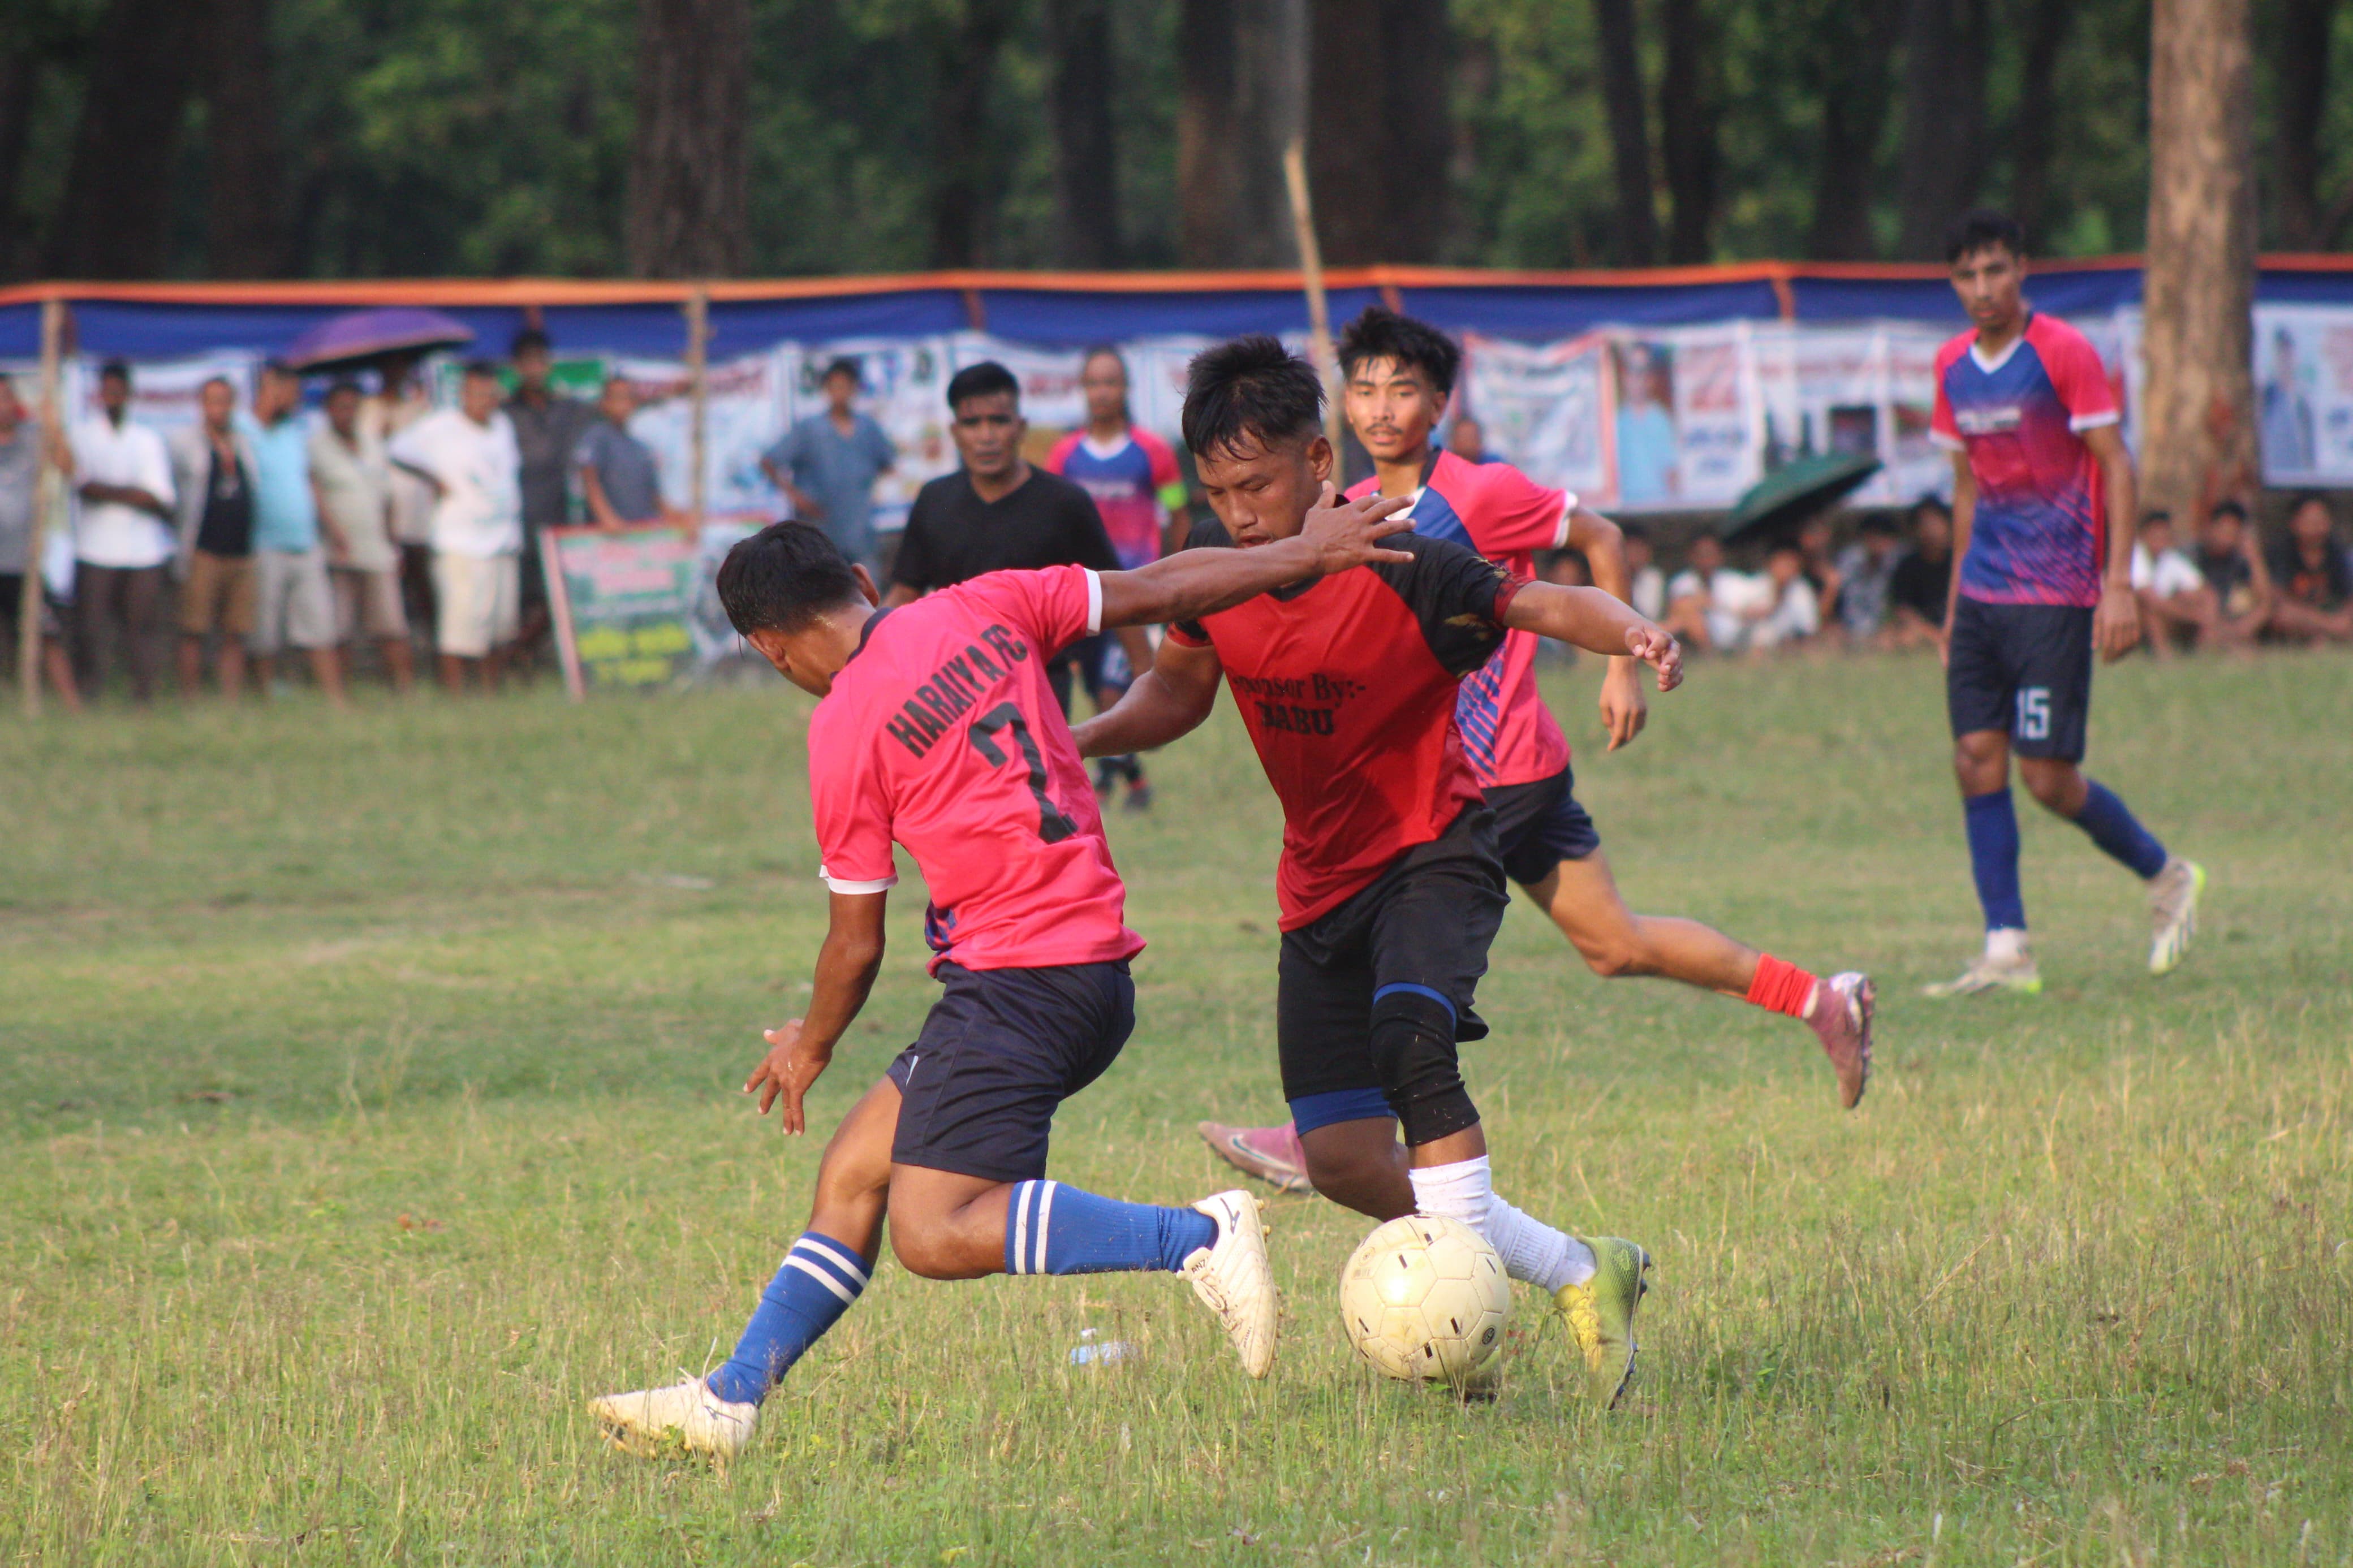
[124,541]
[2312,581]
[547,430]
[2175,601]
[826,465]
[401,402]
[997,512]
[354,483]
[2233,568]
[1866,570]
[21,436]
[1646,586]
[212,471]
[1467,439]
[294,606]
[1920,590]
[617,471]
[467,455]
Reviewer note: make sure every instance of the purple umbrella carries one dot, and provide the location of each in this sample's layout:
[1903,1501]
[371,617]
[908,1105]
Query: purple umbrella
[362,337]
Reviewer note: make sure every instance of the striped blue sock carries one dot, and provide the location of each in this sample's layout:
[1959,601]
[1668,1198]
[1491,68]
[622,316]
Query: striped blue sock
[1053,1230]
[2116,830]
[819,1279]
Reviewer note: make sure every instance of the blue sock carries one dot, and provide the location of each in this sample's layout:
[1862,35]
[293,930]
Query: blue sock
[2116,830]
[819,1279]
[1053,1230]
[1993,859]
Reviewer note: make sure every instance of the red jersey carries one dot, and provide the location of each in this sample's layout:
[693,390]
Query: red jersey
[942,732]
[1348,687]
[1508,733]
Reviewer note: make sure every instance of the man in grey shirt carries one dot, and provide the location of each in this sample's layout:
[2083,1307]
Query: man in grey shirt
[826,465]
[616,469]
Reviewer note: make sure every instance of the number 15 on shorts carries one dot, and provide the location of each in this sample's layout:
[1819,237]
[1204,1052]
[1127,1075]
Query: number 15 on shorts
[2033,713]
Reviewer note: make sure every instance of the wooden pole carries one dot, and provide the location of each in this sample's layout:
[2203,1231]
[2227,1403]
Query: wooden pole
[1319,314]
[698,355]
[48,497]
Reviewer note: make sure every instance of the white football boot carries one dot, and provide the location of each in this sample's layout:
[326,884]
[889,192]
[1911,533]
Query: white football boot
[687,1413]
[2173,913]
[1233,1279]
[2006,965]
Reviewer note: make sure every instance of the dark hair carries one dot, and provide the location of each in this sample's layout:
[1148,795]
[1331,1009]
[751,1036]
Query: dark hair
[115,369]
[278,367]
[2227,507]
[342,384]
[527,339]
[214,380]
[482,368]
[1634,531]
[1931,503]
[1249,390]
[1878,523]
[2311,498]
[986,379]
[1095,351]
[1982,227]
[844,365]
[782,578]
[1381,333]
[2156,514]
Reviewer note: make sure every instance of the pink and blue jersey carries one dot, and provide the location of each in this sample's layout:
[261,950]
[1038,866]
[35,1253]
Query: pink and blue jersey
[1509,736]
[2040,534]
[1134,484]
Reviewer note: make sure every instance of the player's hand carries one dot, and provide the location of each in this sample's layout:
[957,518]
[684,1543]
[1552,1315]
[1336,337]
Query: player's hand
[786,1072]
[1656,648]
[2116,625]
[1624,708]
[1345,533]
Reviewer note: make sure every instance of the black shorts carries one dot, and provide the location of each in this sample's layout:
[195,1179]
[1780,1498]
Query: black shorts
[999,1051]
[1102,663]
[1424,924]
[2024,669]
[1540,824]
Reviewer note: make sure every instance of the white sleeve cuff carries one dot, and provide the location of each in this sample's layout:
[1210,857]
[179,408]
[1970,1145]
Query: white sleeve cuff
[2083,421]
[1567,514]
[1950,443]
[1094,600]
[843,885]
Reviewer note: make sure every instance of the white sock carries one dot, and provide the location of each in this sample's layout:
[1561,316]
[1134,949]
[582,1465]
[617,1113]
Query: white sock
[2006,944]
[1531,1251]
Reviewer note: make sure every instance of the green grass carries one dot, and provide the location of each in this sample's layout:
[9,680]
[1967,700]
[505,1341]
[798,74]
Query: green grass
[367,1101]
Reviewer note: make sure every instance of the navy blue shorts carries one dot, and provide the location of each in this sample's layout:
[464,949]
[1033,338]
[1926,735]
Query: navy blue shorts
[1540,824]
[2023,669]
[1102,663]
[999,1051]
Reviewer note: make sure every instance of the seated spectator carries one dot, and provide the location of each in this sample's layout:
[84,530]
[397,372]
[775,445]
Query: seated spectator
[354,482]
[2176,605]
[1794,612]
[1646,586]
[2312,579]
[1919,591]
[211,473]
[1569,570]
[1467,439]
[1713,606]
[617,471]
[1821,570]
[1866,569]
[2233,568]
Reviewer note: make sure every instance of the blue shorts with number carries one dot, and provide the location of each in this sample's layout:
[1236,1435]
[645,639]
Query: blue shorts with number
[2025,670]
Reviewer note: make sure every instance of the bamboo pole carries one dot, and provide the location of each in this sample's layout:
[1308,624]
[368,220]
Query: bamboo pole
[48,497]
[698,355]
[1319,315]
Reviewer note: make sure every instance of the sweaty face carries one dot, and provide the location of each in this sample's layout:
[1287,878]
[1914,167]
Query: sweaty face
[1263,493]
[987,432]
[1105,381]
[1391,407]
[1987,280]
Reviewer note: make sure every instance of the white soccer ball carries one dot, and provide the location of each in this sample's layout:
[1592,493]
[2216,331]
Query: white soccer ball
[1426,1299]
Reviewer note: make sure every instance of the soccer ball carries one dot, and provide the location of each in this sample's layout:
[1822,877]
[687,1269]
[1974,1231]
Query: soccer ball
[1426,1299]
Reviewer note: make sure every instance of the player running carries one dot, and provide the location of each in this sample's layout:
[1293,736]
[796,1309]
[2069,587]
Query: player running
[1399,375]
[2042,525]
[1132,475]
[1390,886]
[938,729]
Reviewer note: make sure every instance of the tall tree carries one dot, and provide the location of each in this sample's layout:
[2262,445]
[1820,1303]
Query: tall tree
[20,78]
[245,168]
[1086,149]
[115,215]
[2034,125]
[687,166]
[966,159]
[1380,136]
[1242,86]
[1945,46]
[2301,73]
[2198,411]
[1619,67]
[1853,42]
[1687,130]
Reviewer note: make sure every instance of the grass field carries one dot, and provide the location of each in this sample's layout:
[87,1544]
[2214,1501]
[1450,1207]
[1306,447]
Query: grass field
[367,1097]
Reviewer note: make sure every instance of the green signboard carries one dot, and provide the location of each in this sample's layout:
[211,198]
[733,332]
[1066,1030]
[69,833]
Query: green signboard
[624,604]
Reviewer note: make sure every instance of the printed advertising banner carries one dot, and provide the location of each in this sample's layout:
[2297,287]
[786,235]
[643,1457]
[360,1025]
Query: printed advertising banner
[624,604]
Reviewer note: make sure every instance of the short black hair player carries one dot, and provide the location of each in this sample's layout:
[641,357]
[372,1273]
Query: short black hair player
[1391,885]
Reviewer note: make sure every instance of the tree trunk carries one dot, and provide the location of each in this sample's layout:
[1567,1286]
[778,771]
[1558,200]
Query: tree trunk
[2198,424]
[1380,136]
[1621,63]
[964,156]
[1687,131]
[115,218]
[1944,118]
[1856,48]
[247,172]
[1243,65]
[2301,71]
[1086,149]
[20,77]
[688,168]
[2032,142]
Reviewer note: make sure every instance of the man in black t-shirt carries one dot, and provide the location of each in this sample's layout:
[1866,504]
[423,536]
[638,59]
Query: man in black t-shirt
[999,512]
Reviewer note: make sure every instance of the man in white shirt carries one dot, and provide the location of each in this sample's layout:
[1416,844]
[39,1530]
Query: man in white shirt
[124,538]
[2176,604]
[347,462]
[1646,587]
[467,455]
[1710,604]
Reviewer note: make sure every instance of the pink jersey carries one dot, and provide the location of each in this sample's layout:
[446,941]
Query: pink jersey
[942,732]
[1508,733]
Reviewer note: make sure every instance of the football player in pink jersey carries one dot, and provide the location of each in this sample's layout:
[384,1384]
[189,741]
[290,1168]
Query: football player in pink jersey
[937,731]
[1400,374]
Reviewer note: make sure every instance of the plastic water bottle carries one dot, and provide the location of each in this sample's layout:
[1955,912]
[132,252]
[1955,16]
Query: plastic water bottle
[1093,1351]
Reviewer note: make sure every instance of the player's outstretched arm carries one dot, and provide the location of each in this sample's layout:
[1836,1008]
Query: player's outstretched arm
[1168,701]
[1191,583]
[846,967]
[1590,619]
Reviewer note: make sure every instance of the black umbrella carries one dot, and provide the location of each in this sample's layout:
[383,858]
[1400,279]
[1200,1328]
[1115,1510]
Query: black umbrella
[1795,491]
